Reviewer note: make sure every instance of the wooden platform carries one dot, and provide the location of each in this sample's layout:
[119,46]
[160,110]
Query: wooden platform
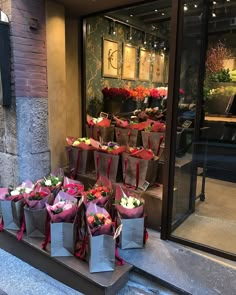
[68,270]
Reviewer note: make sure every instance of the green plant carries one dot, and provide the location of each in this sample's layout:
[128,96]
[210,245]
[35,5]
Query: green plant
[221,76]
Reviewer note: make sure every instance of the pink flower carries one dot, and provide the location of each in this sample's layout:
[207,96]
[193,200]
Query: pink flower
[154,93]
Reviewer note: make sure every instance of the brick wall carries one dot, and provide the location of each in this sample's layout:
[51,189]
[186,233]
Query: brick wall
[29,50]
[25,150]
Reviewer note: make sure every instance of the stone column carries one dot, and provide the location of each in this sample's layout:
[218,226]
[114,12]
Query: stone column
[26,154]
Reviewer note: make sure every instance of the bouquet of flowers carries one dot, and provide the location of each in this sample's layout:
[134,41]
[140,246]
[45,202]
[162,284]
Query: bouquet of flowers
[38,198]
[129,204]
[83,142]
[140,152]
[156,126]
[17,193]
[72,187]
[102,122]
[63,209]
[100,193]
[154,93]
[110,147]
[116,92]
[53,182]
[99,221]
[139,93]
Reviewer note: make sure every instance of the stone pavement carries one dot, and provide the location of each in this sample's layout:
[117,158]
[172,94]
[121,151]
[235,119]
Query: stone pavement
[19,278]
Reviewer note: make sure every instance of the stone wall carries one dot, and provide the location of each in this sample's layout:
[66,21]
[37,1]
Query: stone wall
[24,150]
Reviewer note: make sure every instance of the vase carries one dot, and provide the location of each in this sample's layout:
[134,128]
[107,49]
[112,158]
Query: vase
[139,105]
[112,104]
[127,106]
[154,102]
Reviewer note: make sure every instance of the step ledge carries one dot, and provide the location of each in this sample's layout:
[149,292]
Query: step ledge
[103,280]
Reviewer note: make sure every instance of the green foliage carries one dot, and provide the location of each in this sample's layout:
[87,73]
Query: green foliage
[222,76]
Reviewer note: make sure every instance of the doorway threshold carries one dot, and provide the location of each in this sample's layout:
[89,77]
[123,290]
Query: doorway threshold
[182,269]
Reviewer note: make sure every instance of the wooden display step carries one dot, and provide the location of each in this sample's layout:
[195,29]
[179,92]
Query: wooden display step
[68,270]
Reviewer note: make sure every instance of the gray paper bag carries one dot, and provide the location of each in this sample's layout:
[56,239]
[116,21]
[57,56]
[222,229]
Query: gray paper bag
[12,213]
[132,233]
[35,222]
[101,253]
[63,236]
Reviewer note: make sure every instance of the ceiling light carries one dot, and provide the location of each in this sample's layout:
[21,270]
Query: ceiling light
[214,2]
[163,13]
[227,0]
[195,5]
[156,10]
[127,20]
[131,15]
[185,7]
[213,14]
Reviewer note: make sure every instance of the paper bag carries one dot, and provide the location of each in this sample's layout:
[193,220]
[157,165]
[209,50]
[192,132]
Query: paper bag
[108,165]
[137,172]
[63,238]
[151,140]
[106,134]
[101,253]
[80,160]
[132,234]
[12,213]
[35,222]
[126,136]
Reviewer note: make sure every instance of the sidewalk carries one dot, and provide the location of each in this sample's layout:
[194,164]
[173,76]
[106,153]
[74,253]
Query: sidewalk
[19,278]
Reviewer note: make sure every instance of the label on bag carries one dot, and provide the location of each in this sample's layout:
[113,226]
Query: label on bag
[145,185]
[118,231]
[187,124]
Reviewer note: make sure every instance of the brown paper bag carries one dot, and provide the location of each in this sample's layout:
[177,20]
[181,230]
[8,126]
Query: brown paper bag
[108,165]
[106,134]
[126,136]
[137,172]
[80,160]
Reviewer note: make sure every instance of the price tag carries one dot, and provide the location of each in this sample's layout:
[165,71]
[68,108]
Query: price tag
[118,231]
[146,100]
[145,185]
[187,124]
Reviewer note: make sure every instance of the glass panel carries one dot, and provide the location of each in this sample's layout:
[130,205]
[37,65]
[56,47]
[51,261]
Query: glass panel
[207,215]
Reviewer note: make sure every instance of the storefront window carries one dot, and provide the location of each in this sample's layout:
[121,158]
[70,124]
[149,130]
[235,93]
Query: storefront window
[206,157]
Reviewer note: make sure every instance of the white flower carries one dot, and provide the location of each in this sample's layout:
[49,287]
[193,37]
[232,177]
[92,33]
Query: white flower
[15,192]
[28,190]
[48,182]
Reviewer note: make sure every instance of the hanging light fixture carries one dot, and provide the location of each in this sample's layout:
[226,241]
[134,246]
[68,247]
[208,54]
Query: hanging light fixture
[129,35]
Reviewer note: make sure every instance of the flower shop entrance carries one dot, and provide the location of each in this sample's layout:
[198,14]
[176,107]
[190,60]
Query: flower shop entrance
[186,151]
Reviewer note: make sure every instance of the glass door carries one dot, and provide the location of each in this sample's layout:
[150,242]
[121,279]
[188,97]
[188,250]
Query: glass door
[203,211]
